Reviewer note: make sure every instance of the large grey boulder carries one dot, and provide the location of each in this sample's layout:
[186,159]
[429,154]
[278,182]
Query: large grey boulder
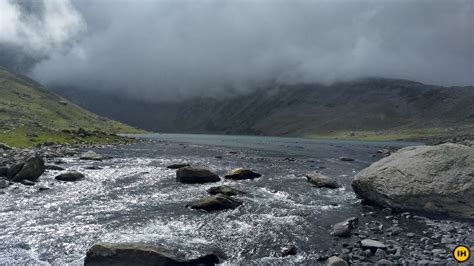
[432,179]
[141,254]
[336,261]
[192,175]
[31,169]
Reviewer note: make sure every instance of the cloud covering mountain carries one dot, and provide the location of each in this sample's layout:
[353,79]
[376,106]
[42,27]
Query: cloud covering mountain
[162,50]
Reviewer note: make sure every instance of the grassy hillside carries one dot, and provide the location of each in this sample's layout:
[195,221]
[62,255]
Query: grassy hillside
[31,114]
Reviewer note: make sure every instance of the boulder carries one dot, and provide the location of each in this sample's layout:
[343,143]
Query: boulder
[70,176]
[344,228]
[91,155]
[431,179]
[336,261]
[5,146]
[3,171]
[321,180]
[215,203]
[372,244]
[141,254]
[193,175]
[178,165]
[226,190]
[31,169]
[290,250]
[4,183]
[241,173]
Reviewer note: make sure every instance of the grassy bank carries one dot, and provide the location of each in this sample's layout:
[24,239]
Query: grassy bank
[396,134]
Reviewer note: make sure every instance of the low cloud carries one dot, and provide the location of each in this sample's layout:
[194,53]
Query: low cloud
[161,50]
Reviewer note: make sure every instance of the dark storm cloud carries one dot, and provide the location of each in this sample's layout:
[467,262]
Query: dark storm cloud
[171,49]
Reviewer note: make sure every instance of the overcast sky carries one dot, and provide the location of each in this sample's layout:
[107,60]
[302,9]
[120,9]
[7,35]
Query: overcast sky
[170,49]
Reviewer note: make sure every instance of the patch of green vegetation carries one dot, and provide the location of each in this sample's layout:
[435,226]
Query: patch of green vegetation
[386,135]
[30,114]
[24,137]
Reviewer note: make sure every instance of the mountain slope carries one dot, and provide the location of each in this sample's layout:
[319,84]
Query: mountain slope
[366,108]
[26,107]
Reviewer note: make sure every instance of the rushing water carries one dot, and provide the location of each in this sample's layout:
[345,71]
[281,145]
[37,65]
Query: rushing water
[134,198]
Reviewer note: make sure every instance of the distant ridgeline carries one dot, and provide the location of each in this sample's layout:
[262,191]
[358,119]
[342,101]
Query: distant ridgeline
[371,108]
[31,114]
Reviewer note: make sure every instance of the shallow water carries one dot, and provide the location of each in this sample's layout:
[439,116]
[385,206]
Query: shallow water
[134,198]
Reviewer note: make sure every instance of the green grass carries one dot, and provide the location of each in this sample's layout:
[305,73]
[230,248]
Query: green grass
[388,135]
[27,108]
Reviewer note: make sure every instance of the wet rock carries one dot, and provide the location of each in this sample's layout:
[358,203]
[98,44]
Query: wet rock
[384,262]
[372,244]
[321,180]
[27,182]
[410,235]
[31,169]
[91,155]
[346,159]
[70,176]
[394,230]
[433,179]
[93,167]
[241,173]
[178,165]
[380,253]
[344,228]
[141,254]
[3,171]
[335,261]
[215,203]
[4,183]
[5,146]
[226,190]
[288,251]
[54,167]
[193,175]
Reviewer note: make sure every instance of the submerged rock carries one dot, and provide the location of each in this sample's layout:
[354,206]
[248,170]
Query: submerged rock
[31,169]
[93,167]
[226,190]
[54,167]
[346,159]
[344,228]
[193,175]
[336,261]
[178,165]
[70,176]
[215,203]
[141,254]
[321,180]
[241,173]
[433,179]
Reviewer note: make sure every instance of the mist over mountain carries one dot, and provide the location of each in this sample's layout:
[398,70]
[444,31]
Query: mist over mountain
[367,108]
[174,50]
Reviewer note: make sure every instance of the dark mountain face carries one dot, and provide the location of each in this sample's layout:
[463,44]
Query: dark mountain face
[298,110]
